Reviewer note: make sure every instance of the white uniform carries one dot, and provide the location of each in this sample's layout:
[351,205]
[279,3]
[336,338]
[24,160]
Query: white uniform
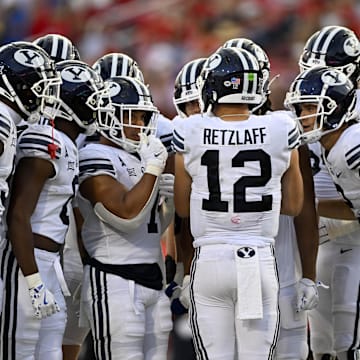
[236,169]
[334,323]
[21,333]
[8,140]
[73,268]
[124,268]
[292,341]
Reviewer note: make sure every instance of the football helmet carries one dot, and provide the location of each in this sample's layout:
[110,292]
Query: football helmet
[261,57]
[128,95]
[333,93]
[185,85]
[84,98]
[29,80]
[117,64]
[58,47]
[230,75]
[334,46]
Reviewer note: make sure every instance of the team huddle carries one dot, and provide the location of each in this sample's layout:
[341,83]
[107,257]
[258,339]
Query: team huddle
[259,208]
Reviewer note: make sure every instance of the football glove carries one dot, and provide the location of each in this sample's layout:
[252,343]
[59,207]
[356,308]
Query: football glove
[307,295]
[166,185]
[153,153]
[42,300]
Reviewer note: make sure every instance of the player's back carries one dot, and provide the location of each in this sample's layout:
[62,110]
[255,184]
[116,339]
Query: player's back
[236,169]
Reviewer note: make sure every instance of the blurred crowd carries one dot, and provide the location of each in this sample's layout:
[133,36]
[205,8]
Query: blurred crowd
[162,35]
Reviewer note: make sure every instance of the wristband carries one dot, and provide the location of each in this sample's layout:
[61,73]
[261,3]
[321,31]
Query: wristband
[33,280]
[153,170]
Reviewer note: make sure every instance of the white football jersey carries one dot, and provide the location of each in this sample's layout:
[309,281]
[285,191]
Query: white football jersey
[326,189]
[102,241]
[343,163]
[236,169]
[164,131]
[8,139]
[50,217]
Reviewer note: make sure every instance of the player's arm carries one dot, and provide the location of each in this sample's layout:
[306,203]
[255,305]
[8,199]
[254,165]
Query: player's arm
[292,187]
[335,209]
[306,223]
[115,197]
[30,176]
[182,187]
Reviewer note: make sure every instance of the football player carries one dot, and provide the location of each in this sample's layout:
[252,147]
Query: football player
[61,48]
[125,210]
[26,80]
[186,102]
[295,244]
[338,47]
[44,183]
[324,99]
[236,171]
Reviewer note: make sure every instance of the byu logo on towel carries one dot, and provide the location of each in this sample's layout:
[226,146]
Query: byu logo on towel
[246,252]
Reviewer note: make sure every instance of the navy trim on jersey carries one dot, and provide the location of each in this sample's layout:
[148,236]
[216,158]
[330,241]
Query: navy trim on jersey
[352,157]
[50,139]
[5,124]
[277,328]
[89,166]
[201,353]
[99,291]
[355,344]
[293,138]
[178,141]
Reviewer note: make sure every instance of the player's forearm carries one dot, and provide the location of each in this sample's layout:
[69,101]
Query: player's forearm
[335,209]
[22,242]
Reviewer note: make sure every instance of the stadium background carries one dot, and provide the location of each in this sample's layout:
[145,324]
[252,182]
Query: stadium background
[162,35]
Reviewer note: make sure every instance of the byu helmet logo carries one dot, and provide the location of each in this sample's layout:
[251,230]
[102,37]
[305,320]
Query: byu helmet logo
[352,46]
[28,57]
[114,89]
[76,74]
[246,252]
[213,62]
[331,77]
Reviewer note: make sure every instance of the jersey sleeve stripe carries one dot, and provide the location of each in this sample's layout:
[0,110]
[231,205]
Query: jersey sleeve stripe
[4,124]
[354,160]
[44,137]
[91,168]
[178,142]
[352,150]
[294,138]
[4,134]
[39,148]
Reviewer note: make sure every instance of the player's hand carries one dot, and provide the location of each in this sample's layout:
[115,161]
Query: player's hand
[153,153]
[42,300]
[166,185]
[307,295]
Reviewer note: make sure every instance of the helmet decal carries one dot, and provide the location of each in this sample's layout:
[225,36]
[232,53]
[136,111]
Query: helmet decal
[29,57]
[77,74]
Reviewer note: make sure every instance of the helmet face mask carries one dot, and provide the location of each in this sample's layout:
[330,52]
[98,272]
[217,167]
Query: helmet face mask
[230,76]
[333,94]
[129,95]
[334,46]
[84,97]
[186,87]
[28,79]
